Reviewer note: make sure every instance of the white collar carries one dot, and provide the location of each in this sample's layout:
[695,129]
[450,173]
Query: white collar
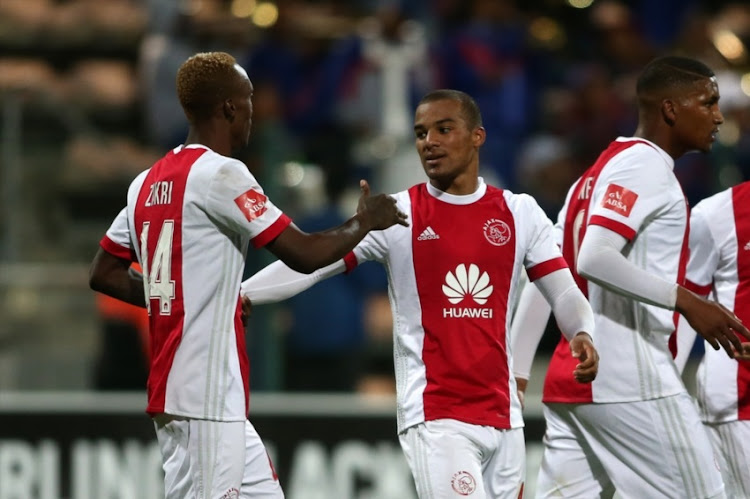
[458,199]
[669,160]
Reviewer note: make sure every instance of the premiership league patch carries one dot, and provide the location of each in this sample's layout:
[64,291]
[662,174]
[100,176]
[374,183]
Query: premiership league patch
[619,199]
[252,204]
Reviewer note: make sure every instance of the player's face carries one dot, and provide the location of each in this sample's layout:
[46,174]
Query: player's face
[243,119]
[446,145]
[698,116]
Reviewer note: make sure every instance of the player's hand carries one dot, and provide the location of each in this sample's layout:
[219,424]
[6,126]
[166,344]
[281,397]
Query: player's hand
[247,309]
[743,353]
[713,321]
[582,348]
[521,386]
[380,211]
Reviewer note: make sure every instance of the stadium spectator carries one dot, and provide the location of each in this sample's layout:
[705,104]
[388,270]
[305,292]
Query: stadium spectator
[453,276]
[634,216]
[189,220]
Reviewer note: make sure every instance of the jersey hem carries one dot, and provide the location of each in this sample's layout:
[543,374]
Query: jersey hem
[509,426]
[613,225]
[271,232]
[115,249]
[180,414]
[722,420]
[545,268]
[556,400]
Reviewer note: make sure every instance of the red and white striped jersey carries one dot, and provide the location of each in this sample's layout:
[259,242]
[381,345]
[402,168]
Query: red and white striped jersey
[631,189]
[720,265]
[188,221]
[453,275]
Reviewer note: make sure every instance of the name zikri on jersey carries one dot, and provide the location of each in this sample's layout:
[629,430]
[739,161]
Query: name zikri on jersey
[160,193]
[467,281]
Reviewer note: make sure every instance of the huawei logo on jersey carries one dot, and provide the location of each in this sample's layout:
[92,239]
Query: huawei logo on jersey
[252,204]
[619,199]
[465,282]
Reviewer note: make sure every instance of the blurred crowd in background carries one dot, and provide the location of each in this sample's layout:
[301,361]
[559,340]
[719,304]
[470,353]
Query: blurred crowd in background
[87,101]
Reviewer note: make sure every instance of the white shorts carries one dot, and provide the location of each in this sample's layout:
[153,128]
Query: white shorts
[646,449]
[731,443]
[214,460]
[451,459]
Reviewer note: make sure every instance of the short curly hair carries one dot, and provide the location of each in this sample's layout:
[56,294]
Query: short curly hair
[205,80]
[666,74]
[469,106]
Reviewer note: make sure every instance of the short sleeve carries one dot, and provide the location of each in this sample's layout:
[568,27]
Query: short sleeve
[629,191]
[117,239]
[376,244]
[543,254]
[236,201]
[704,255]
[372,247]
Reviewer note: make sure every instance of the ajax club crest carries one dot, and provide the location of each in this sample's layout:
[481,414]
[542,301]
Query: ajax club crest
[497,232]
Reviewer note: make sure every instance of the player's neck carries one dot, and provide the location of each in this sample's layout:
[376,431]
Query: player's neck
[219,143]
[660,136]
[458,186]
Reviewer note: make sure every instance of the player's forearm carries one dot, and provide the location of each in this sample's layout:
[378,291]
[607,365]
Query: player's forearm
[306,253]
[571,309]
[600,260]
[277,282]
[113,277]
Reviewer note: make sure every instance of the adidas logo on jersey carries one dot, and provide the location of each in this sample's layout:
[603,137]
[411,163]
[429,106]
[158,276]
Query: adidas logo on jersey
[747,246]
[428,234]
[464,282]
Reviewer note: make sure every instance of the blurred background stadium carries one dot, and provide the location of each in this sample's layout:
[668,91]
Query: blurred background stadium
[87,101]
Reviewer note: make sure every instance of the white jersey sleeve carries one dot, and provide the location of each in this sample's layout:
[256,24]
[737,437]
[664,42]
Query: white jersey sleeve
[376,244]
[117,240]
[236,200]
[629,193]
[543,254]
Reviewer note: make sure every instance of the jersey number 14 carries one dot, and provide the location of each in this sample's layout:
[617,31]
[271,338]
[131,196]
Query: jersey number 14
[157,271]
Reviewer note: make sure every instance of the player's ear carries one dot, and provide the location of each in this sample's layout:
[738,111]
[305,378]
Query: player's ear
[229,110]
[479,136]
[669,111]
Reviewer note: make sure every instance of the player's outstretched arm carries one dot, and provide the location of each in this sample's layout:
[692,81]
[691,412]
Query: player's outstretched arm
[713,321]
[277,282]
[306,253]
[113,276]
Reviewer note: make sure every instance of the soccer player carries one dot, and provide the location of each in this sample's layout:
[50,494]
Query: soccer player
[452,276]
[720,266]
[624,230]
[188,221]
